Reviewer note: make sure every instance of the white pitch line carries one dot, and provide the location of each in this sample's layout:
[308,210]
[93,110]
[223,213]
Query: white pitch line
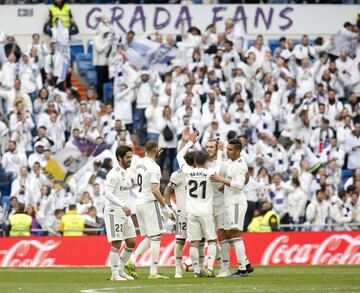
[99,290]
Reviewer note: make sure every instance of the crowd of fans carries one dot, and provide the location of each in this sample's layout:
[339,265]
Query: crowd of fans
[296,110]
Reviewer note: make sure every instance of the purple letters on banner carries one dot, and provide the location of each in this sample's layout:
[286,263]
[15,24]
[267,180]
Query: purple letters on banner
[160,17]
[115,19]
[283,14]
[138,16]
[260,12]
[157,25]
[184,15]
[240,15]
[89,15]
[217,18]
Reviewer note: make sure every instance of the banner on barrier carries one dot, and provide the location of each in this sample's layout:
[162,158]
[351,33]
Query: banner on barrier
[254,19]
[294,248]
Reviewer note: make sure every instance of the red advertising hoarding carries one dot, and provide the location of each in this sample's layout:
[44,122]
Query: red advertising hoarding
[294,248]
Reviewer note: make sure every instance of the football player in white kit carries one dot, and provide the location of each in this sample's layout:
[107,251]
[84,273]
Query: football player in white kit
[148,211]
[119,225]
[199,205]
[212,147]
[235,203]
[177,186]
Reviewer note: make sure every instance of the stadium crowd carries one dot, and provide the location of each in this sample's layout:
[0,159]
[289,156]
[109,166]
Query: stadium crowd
[296,109]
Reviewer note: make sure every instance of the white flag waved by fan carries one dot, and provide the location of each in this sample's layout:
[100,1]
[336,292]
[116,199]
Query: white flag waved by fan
[150,55]
[61,35]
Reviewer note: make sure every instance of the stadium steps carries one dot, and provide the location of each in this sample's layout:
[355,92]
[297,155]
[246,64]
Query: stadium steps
[79,85]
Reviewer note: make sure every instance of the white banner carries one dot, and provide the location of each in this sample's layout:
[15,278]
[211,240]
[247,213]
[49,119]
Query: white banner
[256,19]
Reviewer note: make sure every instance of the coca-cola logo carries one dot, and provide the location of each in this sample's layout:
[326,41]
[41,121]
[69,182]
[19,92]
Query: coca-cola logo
[336,249]
[29,253]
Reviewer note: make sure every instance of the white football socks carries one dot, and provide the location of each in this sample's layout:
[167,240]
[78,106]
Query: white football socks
[218,252]
[178,252]
[142,247]
[211,252]
[194,255]
[240,252]
[124,257]
[232,246]
[225,255]
[114,261]
[201,249]
[154,252]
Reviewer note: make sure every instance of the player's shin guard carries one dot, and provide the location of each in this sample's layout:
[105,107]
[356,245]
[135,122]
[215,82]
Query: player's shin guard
[201,248]
[211,255]
[154,252]
[178,252]
[124,257]
[114,261]
[143,246]
[194,255]
[240,252]
[225,254]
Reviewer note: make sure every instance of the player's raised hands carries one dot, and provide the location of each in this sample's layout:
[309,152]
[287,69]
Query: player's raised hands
[194,137]
[220,146]
[186,134]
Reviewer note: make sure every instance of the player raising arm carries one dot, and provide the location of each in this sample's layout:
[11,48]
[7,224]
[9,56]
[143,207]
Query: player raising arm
[148,211]
[199,205]
[119,225]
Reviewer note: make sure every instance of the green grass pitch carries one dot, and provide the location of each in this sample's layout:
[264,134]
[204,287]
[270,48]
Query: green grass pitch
[264,279]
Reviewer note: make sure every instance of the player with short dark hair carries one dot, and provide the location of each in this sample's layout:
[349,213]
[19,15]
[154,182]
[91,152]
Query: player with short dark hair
[148,211]
[119,225]
[235,179]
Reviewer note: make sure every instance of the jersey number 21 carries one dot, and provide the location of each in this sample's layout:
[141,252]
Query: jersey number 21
[194,186]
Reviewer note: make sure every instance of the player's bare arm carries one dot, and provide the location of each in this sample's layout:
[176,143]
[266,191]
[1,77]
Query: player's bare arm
[159,197]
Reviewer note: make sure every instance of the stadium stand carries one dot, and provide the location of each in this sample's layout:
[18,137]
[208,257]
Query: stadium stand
[295,107]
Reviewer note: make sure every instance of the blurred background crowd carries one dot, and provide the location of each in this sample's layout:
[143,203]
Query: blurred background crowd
[294,103]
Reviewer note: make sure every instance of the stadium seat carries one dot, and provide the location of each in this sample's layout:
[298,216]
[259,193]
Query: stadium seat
[273,44]
[91,77]
[345,175]
[5,183]
[89,49]
[76,47]
[5,200]
[250,43]
[84,66]
[83,57]
[108,91]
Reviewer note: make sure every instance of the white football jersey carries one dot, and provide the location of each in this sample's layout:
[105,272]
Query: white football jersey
[219,200]
[235,171]
[117,183]
[178,184]
[199,201]
[147,172]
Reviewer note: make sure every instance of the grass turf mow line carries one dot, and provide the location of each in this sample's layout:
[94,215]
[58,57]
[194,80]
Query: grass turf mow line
[265,279]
